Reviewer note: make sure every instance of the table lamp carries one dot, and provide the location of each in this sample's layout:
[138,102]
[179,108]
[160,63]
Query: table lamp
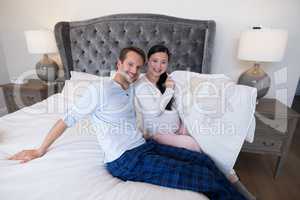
[43,42]
[260,45]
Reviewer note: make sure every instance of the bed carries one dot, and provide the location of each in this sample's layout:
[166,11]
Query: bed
[73,168]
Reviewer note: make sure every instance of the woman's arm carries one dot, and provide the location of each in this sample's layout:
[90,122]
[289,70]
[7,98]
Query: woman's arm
[151,104]
[27,155]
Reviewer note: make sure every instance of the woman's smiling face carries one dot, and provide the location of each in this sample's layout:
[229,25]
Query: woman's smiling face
[158,63]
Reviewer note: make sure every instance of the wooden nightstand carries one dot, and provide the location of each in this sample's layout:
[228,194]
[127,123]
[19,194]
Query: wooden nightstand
[275,126]
[18,96]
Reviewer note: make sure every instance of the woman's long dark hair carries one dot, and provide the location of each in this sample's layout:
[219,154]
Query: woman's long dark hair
[163,77]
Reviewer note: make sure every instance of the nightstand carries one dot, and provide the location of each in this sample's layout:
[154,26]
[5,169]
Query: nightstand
[18,96]
[275,127]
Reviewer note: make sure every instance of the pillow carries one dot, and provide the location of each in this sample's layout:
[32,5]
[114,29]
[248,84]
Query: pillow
[78,84]
[86,76]
[217,112]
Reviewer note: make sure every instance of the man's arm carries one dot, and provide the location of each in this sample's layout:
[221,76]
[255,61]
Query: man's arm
[27,155]
[83,107]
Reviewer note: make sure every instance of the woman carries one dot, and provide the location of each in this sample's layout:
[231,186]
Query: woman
[154,99]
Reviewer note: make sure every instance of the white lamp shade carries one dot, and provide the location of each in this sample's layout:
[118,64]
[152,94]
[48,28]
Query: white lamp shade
[40,42]
[262,45]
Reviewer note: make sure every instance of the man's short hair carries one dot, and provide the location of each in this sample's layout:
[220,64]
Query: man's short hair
[137,50]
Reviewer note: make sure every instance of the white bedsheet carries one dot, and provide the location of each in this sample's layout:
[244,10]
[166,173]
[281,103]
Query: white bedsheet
[73,167]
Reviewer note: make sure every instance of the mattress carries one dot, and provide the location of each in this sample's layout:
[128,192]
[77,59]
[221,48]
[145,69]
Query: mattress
[72,168]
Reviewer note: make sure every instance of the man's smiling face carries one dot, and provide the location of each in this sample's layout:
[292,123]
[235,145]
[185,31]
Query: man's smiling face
[130,66]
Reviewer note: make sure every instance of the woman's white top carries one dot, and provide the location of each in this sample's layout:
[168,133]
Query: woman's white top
[151,106]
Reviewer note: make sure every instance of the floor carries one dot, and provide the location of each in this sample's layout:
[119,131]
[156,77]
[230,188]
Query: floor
[256,171]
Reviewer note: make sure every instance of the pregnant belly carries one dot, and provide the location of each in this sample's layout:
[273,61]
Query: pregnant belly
[168,122]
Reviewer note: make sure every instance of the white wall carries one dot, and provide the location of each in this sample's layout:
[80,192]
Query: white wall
[231,16]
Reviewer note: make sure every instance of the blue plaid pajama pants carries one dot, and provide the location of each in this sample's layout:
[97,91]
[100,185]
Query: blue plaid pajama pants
[175,168]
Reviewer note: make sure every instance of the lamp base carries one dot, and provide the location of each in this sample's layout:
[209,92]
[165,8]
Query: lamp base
[257,78]
[47,69]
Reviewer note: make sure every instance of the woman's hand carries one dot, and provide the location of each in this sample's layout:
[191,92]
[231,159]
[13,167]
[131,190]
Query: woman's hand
[27,155]
[169,83]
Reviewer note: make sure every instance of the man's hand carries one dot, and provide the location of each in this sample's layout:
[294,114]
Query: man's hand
[27,155]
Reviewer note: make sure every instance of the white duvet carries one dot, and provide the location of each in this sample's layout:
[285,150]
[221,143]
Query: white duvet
[73,167]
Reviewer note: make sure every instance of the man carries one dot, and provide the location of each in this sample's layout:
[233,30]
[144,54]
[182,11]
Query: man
[127,155]
[113,109]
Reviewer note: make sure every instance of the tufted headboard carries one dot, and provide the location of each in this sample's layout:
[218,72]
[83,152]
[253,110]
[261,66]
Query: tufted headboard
[93,45]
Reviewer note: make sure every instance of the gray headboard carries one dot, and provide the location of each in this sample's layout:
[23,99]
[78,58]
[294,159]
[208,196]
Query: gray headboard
[93,45]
